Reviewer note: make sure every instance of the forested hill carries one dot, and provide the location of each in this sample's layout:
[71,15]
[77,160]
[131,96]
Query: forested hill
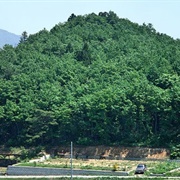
[95,79]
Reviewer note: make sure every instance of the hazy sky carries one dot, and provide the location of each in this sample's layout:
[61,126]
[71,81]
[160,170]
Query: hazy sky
[32,16]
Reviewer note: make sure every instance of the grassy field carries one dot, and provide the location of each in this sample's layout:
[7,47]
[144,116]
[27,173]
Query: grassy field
[168,168]
[98,178]
[153,167]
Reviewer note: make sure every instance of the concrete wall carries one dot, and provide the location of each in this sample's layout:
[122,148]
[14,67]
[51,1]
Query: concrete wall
[22,170]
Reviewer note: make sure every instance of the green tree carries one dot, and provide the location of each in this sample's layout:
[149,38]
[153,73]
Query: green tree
[24,37]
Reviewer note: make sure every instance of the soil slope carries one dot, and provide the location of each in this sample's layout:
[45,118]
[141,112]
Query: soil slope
[108,152]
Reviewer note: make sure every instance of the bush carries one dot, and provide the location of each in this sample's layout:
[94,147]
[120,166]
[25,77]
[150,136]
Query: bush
[175,152]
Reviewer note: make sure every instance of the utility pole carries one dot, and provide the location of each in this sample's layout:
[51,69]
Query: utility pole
[71,160]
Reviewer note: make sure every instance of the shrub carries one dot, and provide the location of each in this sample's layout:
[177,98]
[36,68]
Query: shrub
[175,152]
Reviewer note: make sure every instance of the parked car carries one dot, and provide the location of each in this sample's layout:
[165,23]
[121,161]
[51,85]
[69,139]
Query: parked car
[140,169]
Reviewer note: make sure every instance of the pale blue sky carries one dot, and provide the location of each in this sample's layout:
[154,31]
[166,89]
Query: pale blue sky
[32,16]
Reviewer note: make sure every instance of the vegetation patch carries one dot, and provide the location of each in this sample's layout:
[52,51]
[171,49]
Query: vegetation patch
[164,167]
[153,167]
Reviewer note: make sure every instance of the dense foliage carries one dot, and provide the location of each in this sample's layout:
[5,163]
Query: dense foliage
[95,79]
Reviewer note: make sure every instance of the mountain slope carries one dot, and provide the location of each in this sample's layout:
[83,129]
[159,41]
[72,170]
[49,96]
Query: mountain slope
[8,38]
[96,79]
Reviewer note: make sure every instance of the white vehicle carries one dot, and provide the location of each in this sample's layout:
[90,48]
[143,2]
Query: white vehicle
[140,169]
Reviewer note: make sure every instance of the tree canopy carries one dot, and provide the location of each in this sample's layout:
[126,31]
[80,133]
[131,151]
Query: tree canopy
[95,79]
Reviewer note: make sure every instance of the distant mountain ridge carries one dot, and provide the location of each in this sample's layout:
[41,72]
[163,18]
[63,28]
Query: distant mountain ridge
[8,38]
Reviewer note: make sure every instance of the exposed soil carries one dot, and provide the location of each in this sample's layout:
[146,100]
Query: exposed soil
[107,152]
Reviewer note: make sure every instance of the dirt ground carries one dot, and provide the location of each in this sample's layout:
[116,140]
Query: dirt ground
[108,152]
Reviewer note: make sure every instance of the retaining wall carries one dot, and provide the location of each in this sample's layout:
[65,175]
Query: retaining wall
[22,170]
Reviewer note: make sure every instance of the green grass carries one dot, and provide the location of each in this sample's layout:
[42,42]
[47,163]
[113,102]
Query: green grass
[99,178]
[173,174]
[164,167]
[43,165]
[64,166]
